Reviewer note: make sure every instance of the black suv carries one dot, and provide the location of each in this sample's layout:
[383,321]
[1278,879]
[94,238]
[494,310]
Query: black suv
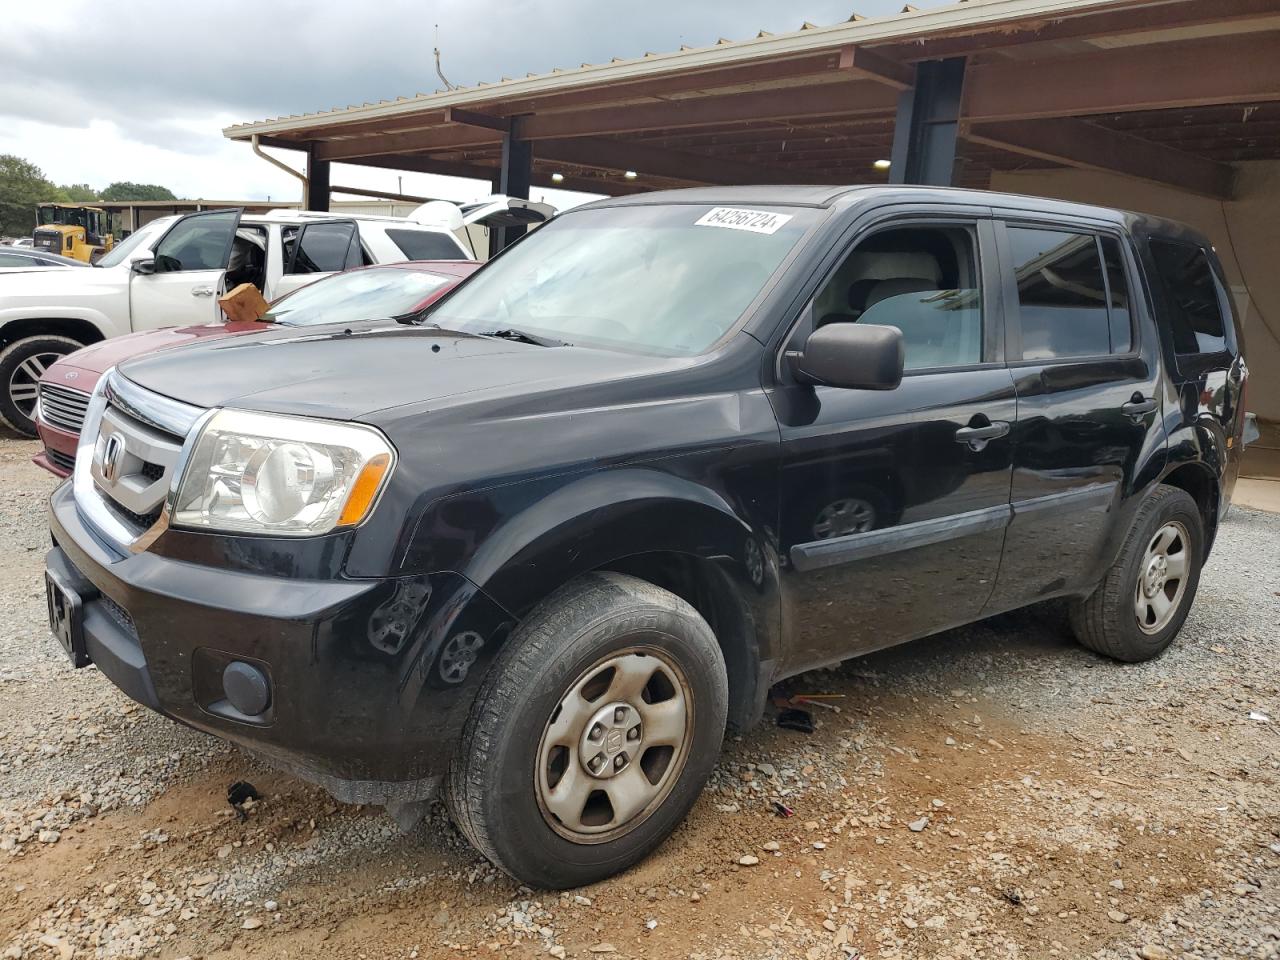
[541,544]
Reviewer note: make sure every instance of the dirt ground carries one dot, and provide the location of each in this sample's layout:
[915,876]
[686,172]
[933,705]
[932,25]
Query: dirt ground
[994,792]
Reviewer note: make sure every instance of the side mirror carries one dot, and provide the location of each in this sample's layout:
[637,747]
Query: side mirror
[145,267]
[856,356]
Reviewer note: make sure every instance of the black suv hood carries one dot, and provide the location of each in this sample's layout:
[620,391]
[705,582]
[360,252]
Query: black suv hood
[345,373]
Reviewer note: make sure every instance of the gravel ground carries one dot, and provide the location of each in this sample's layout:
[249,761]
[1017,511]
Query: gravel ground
[994,792]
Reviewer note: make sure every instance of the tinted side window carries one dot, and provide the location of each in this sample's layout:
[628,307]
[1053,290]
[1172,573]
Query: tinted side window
[324,248]
[197,243]
[922,280]
[13,260]
[1118,291]
[1061,294]
[1195,310]
[425,245]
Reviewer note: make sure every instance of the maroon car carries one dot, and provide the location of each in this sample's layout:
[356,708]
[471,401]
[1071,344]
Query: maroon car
[366,293]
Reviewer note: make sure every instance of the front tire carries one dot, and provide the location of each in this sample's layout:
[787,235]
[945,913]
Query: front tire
[593,733]
[21,365]
[1141,604]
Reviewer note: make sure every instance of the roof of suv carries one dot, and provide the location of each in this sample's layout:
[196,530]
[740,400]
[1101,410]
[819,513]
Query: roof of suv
[830,196]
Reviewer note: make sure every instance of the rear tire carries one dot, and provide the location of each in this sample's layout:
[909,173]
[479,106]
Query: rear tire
[593,733]
[21,365]
[1141,604]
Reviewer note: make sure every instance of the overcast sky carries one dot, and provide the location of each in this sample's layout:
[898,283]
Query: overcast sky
[96,92]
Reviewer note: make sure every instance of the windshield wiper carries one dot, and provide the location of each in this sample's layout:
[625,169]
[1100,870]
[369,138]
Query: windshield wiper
[522,336]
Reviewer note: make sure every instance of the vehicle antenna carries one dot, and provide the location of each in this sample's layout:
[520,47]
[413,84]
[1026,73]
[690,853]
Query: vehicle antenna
[440,72]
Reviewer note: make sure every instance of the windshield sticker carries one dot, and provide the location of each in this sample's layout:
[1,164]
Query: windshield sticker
[754,221]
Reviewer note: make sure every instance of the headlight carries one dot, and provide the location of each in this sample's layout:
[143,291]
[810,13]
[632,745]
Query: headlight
[285,476]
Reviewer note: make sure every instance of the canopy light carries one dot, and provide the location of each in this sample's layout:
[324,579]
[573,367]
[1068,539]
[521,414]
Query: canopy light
[883,164]
[557,178]
[630,174]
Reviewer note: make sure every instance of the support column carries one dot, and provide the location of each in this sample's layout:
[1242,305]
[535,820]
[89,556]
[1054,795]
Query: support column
[317,190]
[924,135]
[513,180]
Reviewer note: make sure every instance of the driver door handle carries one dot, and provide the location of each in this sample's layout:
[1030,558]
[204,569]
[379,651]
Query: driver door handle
[977,437]
[202,291]
[1138,406]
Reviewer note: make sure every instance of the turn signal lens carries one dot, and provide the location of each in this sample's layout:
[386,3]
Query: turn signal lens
[365,490]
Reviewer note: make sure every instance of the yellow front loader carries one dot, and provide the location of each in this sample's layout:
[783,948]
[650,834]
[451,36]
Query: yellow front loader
[72,230]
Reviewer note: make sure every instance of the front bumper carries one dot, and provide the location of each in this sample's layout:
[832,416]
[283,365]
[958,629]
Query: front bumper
[370,680]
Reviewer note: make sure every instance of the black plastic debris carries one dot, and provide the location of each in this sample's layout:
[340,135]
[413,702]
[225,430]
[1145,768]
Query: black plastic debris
[1013,895]
[782,810]
[794,719]
[240,793]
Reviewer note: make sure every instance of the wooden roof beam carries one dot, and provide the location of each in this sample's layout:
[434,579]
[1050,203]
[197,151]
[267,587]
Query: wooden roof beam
[830,99]
[1217,70]
[1078,143]
[655,161]
[541,176]
[675,84]
[871,65]
[452,137]
[472,119]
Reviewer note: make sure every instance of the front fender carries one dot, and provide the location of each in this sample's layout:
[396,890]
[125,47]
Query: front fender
[599,519]
[543,533]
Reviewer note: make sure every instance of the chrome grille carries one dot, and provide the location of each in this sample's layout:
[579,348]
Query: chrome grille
[131,465]
[131,450]
[63,407]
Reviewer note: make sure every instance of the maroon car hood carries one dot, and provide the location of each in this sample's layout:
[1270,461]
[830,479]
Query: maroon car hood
[97,358]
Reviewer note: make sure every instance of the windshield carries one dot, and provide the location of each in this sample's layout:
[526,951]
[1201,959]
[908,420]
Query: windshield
[358,295]
[66,215]
[140,237]
[668,279]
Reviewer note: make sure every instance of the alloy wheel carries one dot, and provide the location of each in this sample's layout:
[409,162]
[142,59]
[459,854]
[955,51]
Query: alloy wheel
[23,389]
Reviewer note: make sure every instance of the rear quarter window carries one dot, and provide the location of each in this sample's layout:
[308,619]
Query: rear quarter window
[426,245]
[1193,298]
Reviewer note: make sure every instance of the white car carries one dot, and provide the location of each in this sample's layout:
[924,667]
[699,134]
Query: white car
[172,271]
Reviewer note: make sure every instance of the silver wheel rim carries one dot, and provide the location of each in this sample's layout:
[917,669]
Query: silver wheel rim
[23,389]
[614,746]
[1162,577]
[843,517]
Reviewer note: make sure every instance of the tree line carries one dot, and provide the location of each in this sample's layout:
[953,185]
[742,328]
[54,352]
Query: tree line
[23,185]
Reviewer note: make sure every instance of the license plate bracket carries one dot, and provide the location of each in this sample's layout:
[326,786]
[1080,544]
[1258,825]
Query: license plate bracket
[66,619]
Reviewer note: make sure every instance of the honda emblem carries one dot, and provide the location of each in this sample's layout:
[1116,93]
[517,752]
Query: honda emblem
[112,454]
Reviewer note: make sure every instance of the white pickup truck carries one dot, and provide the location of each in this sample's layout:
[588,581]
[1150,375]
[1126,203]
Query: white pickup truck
[172,271]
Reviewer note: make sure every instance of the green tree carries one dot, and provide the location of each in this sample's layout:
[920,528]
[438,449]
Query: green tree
[125,190]
[22,186]
[79,192]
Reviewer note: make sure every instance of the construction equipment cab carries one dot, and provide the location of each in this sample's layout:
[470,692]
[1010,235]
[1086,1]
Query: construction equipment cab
[72,230]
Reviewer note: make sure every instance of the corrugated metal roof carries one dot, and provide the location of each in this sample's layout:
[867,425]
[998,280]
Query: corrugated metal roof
[904,26]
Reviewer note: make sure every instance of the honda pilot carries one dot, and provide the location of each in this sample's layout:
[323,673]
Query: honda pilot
[538,547]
